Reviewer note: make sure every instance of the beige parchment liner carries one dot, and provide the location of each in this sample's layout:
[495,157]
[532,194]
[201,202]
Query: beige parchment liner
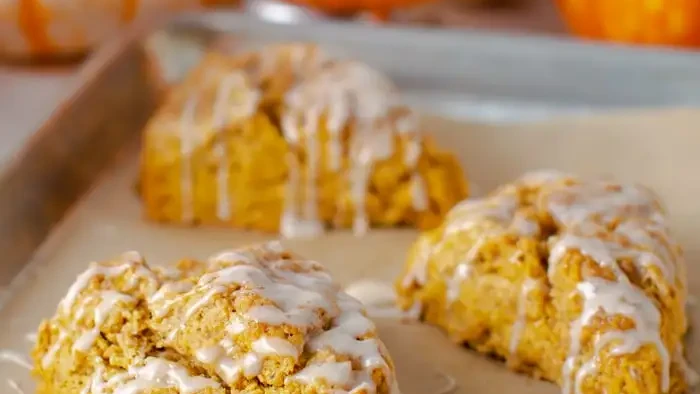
[659,149]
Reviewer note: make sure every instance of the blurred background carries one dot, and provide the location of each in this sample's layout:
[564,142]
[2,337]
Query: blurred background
[31,29]
[43,43]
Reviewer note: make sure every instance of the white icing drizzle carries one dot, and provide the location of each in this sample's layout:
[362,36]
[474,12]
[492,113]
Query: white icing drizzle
[168,289]
[524,226]
[607,253]
[129,260]
[15,358]
[462,272]
[614,298]
[359,178]
[153,374]
[583,205]
[237,325]
[48,357]
[18,359]
[450,383]
[291,298]
[15,386]
[229,367]
[233,256]
[469,213]
[31,337]
[294,224]
[642,234]
[170,273]
[690,375]
[271,315]
[580,203]
[224,111]
[345,93]
[187,133]
[273,345]
[331,373]
[463,217]
[96,385]
[311,199]
[413,150]
[419,193]
[581,211]
[379,299]
[223,206]
[50,354]
[301,292]
[542,177]
[418,273]
[12,357]
[109,300]
[342,338]
[529,284]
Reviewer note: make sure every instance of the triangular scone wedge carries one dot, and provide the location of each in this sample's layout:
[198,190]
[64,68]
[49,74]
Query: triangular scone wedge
[577,282]
[288,139]
[257,319]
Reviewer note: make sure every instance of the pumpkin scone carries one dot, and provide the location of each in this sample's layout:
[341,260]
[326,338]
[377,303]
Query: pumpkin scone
[573,281]
[253,320]
[289,139]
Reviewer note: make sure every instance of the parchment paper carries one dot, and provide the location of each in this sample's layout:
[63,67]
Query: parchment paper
[661,150]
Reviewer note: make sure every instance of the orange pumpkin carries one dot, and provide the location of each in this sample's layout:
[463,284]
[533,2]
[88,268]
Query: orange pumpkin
[30,28]
[653,22]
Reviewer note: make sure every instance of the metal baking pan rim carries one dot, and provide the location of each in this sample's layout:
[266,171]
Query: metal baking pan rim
[530,43]
[27,179]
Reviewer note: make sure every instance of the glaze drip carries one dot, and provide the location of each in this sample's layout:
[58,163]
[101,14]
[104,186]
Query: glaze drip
[343,111]
[605,223]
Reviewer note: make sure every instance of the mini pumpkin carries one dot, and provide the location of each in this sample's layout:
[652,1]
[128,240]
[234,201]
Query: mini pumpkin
[652,22]
[44,28]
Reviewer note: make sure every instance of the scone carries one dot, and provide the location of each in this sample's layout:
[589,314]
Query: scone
[577,282]
[254,320]
[290,139]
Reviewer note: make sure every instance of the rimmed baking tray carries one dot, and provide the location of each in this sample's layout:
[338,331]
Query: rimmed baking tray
[49,227]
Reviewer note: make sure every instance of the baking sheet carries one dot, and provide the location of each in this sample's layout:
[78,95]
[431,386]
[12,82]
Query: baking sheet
[657,149]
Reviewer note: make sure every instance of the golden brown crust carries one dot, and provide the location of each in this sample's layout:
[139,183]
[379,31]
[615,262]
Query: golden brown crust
[247,171]
[258,319]
[571,281]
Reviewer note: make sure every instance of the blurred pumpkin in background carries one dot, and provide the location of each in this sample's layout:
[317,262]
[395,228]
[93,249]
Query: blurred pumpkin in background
[49,28]
[654,22]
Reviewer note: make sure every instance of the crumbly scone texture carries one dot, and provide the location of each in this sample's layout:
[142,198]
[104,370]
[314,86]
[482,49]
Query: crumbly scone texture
[252,320]
[288,139]
[576,282]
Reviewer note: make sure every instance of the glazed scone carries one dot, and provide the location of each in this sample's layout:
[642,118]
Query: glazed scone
[577,282]
[253,320]
[289,139]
